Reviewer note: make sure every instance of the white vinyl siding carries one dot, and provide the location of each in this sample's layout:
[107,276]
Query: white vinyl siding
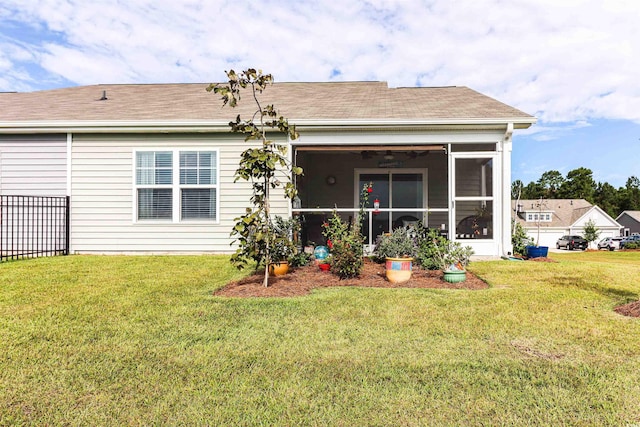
[33,165]
[103,204]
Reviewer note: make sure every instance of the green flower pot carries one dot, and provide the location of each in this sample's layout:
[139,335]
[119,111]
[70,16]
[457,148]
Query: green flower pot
[455,276]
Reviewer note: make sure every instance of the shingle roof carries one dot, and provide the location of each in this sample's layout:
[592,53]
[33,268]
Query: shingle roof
[565,212]
[297,101]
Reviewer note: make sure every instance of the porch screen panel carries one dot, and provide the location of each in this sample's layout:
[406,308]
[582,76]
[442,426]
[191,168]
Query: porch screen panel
[474,177]
[474,220]
[380,186]
[474,204]
[407,192]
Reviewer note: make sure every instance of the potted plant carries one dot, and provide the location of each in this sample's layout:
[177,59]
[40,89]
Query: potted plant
[453,259]
[397,249]
[283,247]
[281,251]
[324,264]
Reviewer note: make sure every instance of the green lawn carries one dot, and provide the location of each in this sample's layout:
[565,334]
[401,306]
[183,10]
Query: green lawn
[114,340]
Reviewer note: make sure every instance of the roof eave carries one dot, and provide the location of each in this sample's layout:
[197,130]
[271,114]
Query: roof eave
[170,126]
[518,123]
[114,126]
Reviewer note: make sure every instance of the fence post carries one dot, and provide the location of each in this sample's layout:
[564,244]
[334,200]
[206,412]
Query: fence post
[67,222]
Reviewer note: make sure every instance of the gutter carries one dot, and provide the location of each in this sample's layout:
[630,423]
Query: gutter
[168,126]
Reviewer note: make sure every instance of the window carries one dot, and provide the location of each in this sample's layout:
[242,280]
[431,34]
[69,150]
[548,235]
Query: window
[542,217]
[197,185]
[177,185]
[154,171]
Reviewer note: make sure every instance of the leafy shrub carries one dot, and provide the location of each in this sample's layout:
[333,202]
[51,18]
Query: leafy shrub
[453,256]
[632,245]
[283,247]
[347,240]
[399,243]
[299,259]
[346,247]
[520,239]
[428,240]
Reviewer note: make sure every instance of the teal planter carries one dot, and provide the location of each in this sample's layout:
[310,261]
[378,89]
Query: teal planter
[455,276]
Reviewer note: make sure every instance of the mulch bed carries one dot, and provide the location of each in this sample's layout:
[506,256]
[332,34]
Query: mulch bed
[632,309]
[302,281]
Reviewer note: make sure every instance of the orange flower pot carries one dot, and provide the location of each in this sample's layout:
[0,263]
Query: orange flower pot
[398,270]
[279,268]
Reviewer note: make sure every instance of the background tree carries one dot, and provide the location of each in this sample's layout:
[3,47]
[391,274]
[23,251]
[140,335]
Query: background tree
[606,196]
[516,189]
[630,195]
[579,185]
[550,183]
[262,165]
[532,191]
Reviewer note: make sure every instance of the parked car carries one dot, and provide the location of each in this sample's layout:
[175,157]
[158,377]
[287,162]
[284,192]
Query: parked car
[571,243]
[634,238]
[610,243]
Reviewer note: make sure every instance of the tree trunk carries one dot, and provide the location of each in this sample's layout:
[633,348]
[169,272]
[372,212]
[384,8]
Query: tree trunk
[267,212]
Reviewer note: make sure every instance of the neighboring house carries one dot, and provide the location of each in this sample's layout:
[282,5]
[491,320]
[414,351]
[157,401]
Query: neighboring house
[150,168]
[559,217]
[630,222]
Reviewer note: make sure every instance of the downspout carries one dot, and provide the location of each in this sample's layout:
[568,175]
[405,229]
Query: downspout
[69,139]
[450,186]
[69,199]
[507,147]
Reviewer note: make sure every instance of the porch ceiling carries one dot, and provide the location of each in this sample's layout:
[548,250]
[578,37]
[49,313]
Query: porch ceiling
[370,147]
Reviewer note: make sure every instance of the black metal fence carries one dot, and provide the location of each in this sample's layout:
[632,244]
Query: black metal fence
[33,226]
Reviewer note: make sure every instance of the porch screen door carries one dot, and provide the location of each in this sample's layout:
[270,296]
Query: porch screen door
[399,192]
[473,195]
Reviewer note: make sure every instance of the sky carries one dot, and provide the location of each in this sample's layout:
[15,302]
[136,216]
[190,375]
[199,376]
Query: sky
[574,64]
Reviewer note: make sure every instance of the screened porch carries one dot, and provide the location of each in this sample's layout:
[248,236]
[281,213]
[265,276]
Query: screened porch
[439,185]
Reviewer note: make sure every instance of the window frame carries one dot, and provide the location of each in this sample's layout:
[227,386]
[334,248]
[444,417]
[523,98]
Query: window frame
[176,186]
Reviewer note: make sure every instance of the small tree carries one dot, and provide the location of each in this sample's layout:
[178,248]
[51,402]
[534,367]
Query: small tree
[591,232]
[261,166]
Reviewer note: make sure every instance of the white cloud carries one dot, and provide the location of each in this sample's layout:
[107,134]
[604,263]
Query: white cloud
[562,61]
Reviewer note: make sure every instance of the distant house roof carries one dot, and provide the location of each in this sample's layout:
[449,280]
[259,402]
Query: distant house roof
[632,214]
[332,102]
[564,212]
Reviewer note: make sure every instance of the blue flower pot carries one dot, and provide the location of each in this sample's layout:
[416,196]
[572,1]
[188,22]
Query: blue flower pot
[537,251]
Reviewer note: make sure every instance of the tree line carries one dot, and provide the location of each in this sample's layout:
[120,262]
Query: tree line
[579,184]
